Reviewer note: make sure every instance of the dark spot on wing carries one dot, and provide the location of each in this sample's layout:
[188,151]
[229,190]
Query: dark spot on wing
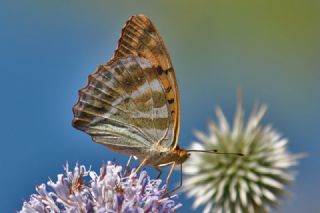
[168,89]
[159,70]
[126,100]
[171,101]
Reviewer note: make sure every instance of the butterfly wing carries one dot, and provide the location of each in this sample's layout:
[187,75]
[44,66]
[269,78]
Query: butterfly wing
[124,107]
[139,37]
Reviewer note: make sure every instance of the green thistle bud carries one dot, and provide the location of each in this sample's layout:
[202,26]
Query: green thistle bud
[229,183]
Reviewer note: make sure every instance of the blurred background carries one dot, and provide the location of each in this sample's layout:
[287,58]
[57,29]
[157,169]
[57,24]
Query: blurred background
[270,49]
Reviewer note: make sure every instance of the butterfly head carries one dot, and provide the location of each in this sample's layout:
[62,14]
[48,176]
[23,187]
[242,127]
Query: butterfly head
[183,155]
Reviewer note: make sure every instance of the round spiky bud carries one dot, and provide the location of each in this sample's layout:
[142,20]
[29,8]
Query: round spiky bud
[230,183]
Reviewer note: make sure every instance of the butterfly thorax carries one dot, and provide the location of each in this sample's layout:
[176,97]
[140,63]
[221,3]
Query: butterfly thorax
[165,157]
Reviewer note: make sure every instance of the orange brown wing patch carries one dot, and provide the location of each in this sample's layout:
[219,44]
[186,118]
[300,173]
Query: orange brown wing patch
[139,37]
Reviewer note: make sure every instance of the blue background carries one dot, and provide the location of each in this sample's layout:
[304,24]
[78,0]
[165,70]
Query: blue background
[48,48]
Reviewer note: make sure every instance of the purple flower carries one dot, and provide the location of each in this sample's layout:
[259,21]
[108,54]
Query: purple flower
[83,190]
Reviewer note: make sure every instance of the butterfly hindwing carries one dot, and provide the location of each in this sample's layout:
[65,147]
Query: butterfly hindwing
[139,37]
[124,105]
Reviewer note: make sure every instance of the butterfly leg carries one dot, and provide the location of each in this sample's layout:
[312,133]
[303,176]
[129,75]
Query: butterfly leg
[159,170]
[170,172]
[127,166]
[180,181]
[141,165]
[167,180]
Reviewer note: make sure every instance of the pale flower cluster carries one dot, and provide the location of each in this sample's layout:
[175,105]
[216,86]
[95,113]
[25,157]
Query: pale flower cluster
[83,190]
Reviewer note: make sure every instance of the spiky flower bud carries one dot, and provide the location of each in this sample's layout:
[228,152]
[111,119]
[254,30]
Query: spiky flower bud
[85,191]
[230,183]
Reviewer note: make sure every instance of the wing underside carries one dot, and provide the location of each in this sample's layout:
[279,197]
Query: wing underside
[124,106]
[132,102]
[139,37]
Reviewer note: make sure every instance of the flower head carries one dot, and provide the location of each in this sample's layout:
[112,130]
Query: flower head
[229,183]
[83,190]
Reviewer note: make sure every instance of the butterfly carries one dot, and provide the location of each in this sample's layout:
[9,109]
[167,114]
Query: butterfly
[131,104]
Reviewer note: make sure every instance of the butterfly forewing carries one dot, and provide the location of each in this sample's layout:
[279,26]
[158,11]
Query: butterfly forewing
[124,105]
[139,37]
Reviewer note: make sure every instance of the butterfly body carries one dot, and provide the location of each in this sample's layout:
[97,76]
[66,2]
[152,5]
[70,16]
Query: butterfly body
[131,104]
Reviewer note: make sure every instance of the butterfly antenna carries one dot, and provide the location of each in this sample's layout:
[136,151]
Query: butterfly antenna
[214,151]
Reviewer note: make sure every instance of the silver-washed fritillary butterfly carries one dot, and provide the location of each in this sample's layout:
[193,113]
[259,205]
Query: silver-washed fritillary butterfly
[131,104]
